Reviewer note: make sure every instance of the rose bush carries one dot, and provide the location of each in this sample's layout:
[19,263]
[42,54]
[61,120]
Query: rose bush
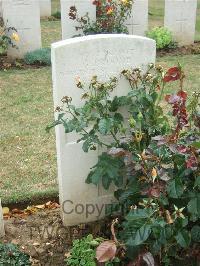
[152,159]
[8,36]
[110,17]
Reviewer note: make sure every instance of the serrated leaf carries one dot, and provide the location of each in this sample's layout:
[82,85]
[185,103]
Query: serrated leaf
[175,188]
[106,182]
[141,236]
[104,126]
[194,206]
[195,233]
[139,214]
[183,238]
[197,181]
[196,144]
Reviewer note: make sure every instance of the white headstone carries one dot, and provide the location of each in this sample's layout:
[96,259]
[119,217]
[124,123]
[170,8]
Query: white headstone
[104,55]
[138,22]
[24,15]
[1,8]
[68,25]
[180,19]
[45,8]
[2,232]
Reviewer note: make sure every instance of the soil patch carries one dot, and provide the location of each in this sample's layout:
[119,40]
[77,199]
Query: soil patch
[43,236]
[183,50]
[5,64]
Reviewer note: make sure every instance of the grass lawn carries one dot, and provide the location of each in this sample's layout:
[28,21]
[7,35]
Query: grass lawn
[28,157]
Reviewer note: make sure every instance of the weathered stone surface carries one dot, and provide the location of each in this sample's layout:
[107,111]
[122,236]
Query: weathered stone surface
[180,19]
[68,25]
[24,15]
[0,8]
[2,231]
[105,56]
[45,8]
[138,22]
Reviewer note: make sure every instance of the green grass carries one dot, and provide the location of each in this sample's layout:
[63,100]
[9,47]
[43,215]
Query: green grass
[27,151]
[51,32]
[55,6]
[28,155]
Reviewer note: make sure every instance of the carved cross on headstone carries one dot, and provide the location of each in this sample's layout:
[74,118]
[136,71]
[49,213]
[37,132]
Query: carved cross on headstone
[137,24]
[180,19]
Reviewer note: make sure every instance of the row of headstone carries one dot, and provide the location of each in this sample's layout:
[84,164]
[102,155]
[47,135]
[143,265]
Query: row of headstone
[45,8]
[24,15]
[137,24]
[180,18]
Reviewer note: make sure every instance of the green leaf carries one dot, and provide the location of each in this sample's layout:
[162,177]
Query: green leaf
[197,182]
[139,214]
[195,233]
[141,236]
[105,126]
[106,182]
[183,238]
[194,206]
[175,188]
[196,144]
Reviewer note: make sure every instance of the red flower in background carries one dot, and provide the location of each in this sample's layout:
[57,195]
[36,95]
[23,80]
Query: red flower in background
[172,74]
[96,3]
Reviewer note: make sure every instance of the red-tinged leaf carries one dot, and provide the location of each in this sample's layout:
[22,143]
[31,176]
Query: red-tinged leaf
[192,163]
[167,79]
[106,251]
[154,192]
[182,149]
[172,74]
[173,70]
[182,94]
[167,97]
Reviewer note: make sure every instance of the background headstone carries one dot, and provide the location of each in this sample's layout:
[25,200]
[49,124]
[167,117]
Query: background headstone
[68,25]
[138,22]
[180,19]
[2,232]
[45,8]
[24,15]
[105,56]
[1,8]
